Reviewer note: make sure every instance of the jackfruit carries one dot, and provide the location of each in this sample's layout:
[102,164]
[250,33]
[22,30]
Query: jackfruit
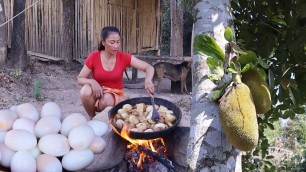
[238,117]
[259,89]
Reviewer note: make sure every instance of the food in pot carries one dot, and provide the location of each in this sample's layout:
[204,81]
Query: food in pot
[138,118]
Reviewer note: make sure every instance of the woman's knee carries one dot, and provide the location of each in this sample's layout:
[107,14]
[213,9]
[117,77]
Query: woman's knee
[108,100]
[86,91]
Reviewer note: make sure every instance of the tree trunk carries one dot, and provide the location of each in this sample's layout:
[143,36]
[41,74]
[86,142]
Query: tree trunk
[3,35]
[208,149]
[18,53]
[68,28]
[177,25]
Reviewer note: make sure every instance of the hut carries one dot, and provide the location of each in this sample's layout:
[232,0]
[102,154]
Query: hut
[138,21]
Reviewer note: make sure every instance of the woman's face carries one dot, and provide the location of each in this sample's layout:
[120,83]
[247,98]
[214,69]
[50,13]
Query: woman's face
[112,43]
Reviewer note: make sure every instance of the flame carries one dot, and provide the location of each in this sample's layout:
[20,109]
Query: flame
[149,144]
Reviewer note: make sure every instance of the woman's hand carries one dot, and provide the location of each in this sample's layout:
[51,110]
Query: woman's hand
[144,66]
[97,90]
[149,86]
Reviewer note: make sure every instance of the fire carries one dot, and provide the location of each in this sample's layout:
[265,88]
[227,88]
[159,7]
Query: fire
[135,143]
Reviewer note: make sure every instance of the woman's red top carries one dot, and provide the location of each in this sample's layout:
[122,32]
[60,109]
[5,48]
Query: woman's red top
[111,79]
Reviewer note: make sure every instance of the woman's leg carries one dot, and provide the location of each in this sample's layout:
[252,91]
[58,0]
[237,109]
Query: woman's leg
[88,100]
[108,100]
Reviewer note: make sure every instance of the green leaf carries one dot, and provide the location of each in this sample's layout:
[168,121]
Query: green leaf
[279,21]
[232,65]
[268,162]
[264,143]
[250,57]
[299,110]
[237,49]
[212,62]
[262,73]
[206,45]
[289,114]
[256,152]
[215,95]
[263,64]
[246,68]
[286,71]
[270,126]
[216,68]
[292,97]
[230,70]
[283,107]
[214,78]
[264,146]
[228,34]
[271,80]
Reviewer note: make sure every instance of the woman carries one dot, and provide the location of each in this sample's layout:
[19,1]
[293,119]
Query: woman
[107,65]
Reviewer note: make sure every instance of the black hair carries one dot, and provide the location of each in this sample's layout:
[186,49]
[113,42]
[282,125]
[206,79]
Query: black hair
[105,33]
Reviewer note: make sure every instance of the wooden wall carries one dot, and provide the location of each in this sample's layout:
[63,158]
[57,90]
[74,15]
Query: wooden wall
[8,7]
[93,15]
[44,27]
[138,21]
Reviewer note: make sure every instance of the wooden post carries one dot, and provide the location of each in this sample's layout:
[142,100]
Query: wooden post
[134,75]
[176,41]
[3,35]
[68,32]
[18,52]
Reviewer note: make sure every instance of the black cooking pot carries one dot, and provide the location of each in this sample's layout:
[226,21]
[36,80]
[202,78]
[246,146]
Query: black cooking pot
[147,100]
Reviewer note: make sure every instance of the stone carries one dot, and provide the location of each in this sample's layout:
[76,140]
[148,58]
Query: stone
[114,151]
[176,143]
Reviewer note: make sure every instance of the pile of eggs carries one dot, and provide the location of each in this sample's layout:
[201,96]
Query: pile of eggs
[30,141]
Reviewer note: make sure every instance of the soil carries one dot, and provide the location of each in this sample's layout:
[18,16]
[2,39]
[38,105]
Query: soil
[42,82]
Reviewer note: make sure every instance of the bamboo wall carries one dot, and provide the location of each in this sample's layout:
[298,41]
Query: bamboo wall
[138,21]
[8,8]
[44,27]
[93,15]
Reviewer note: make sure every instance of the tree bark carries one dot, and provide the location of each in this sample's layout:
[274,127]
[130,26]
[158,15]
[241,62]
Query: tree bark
[208,149]
[18,53]
[177,26]
[68,28]
[3,35]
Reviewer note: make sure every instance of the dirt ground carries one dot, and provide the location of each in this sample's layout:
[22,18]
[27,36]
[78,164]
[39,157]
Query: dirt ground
[42,82]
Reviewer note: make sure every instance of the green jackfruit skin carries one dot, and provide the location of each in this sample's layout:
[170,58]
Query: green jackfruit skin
[238,117]
[259,89]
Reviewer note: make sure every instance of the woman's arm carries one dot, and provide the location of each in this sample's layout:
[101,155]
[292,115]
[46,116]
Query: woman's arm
[148,69]
[83,78]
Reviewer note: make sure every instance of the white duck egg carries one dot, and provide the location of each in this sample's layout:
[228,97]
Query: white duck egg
[99,127]
[35,152]
[48,163]
[51,109]
[2,136]
[7,118]
[13,108]
[71,121]
[24,124]
[81,136]
[20,140]
[47,125]
[6,155]
[27,110]
[23,161]
[77,159]
[97,145]
[54,144]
